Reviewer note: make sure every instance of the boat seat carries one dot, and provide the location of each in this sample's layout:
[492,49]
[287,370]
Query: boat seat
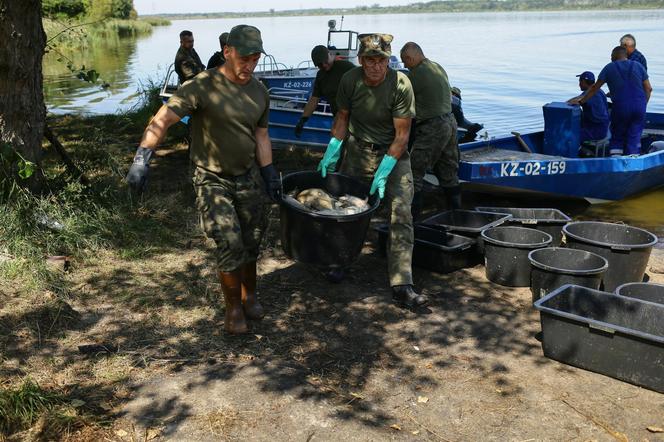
[594,148]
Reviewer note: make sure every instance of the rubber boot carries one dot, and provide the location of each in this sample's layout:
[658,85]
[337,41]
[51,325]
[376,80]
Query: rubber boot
[231,286]
[406,296]
[453,197]
[252,308]
[417,205]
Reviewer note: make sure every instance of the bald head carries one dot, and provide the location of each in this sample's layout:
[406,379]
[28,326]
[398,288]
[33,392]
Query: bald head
[618,53]
[411,54]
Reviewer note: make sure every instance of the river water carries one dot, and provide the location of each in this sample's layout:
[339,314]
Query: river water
[507,66]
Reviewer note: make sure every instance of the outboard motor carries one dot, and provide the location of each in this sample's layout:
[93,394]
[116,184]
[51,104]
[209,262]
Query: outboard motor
[562,129]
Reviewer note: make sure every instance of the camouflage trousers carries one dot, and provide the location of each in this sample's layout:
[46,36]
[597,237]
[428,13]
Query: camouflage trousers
[232,213]
[435,148]
[361,161]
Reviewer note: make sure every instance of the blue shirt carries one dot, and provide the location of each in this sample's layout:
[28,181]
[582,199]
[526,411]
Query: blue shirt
[638,57]
[596,112]
[613,74]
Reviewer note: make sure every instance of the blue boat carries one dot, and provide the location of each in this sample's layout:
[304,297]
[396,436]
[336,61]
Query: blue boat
[503,165]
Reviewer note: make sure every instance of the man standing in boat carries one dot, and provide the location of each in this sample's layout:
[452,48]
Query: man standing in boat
[375,109]
[628,42]
[630,91]
[217,58]
[434,143]
[595,117]
[326,83]
[187,62]
[231,150]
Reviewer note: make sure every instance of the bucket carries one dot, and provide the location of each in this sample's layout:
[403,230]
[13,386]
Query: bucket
[506,253]
[626,248]
[644,291]
[547,220]
[554,267]
[326,240]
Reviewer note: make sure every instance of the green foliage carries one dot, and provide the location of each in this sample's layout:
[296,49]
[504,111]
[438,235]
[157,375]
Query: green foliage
[22,406]
[12,167]
[96,9]
[63,8]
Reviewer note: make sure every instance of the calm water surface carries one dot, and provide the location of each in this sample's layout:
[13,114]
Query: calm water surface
[507,65]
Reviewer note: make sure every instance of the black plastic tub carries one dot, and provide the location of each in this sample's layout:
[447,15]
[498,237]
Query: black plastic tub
[325,240]
[550,221]
[645,291]
[506,251]
[553,267]
[605,333]
[468,223]
[436,250]
[626,248]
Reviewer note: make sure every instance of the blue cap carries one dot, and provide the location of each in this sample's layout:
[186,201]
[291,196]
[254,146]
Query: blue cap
[587,75]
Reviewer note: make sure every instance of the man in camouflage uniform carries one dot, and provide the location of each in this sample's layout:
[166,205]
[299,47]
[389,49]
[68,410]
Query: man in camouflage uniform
[435,134]
[231,151]
[375,108]
[187,62]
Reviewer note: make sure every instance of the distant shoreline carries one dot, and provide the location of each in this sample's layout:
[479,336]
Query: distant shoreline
[449,6]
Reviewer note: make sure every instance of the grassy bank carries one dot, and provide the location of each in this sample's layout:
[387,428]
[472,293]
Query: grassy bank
[76,31]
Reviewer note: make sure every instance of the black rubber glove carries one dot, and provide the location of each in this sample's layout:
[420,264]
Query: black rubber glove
[137,177]
[272,182]
[299,126]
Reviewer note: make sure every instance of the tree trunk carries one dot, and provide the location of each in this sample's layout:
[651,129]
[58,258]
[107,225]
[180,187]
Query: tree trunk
[22,110]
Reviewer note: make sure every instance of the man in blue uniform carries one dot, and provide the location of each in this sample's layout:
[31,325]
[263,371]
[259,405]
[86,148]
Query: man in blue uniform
[630,91]
[595,118]
[628,42]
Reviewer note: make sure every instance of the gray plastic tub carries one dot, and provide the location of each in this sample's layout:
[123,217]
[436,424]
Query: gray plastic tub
[606,333]
[506,251]
[626,248]
[550,221]
[553,267]
[646,291]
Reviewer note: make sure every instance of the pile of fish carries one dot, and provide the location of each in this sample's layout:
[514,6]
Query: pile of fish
[319,201]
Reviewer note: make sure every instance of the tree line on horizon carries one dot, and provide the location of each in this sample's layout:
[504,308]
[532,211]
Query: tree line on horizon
[443,6]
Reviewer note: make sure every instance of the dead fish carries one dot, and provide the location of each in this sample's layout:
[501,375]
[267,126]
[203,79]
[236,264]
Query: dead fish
[319,201]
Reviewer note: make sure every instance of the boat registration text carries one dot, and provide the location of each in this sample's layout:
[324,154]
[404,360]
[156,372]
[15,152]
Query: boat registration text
[532,168]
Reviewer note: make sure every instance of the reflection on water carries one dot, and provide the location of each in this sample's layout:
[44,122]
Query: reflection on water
[507,65]
[646,211]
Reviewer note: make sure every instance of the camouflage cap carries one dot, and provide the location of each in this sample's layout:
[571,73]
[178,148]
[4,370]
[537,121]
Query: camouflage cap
[246,40]
[319,54]
[456,91]
[375,45]
[223,38]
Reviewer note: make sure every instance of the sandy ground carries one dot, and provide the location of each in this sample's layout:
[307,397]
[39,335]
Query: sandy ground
[328,362]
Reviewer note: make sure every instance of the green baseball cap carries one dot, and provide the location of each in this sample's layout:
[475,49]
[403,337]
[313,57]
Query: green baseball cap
[246,39]
[375,45]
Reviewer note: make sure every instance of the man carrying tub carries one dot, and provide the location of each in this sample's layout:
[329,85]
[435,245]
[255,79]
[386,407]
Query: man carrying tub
[231,150]
[376,105]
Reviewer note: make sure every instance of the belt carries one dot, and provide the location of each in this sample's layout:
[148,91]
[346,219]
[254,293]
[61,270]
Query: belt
[432,119]
[372,146]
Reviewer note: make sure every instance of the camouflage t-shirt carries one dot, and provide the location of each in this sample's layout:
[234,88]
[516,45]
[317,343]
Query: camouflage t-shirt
[224,117]
[372,108]
[326,83]
[432,90]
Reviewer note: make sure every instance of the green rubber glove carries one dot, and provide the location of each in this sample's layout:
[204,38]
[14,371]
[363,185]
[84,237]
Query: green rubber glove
[380,178]
[332,154]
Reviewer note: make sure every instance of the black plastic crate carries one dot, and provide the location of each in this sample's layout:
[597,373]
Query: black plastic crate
[605,333]
[466,222]
[437,250]
[550,221]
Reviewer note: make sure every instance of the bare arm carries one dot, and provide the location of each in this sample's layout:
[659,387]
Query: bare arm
[589,93]
[310,107]
[156,130]
[263,147]
[400,143]
[647,88]
[340,125]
